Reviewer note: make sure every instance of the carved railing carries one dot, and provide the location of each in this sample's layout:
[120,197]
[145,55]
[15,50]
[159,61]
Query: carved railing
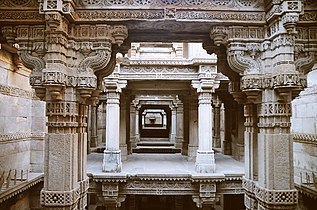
[308,179]
[13,177]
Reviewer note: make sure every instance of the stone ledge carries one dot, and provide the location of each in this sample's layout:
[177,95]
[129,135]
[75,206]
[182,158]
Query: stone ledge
[305,138]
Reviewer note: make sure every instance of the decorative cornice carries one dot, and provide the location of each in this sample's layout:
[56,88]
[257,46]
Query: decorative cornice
[305,138]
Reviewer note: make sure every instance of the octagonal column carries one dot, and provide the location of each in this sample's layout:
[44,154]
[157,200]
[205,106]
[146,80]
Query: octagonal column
[205,160]
[112,154]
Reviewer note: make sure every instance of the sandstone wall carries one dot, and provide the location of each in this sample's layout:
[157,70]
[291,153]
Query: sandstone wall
[304,129]
[22,119]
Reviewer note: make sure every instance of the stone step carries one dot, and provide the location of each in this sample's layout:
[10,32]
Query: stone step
[156,149]
[155,143]
[155,139]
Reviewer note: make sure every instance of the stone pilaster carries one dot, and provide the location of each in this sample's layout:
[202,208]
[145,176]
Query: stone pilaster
[112,154]
[179,124]
[132,140]
[193,127]
[123,127]
[93,123]
[137,124]
[222,125]
[173,124]
[216,136]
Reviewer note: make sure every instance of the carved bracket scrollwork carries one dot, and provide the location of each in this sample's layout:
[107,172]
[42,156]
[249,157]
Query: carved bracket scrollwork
[244,60]
[305,62]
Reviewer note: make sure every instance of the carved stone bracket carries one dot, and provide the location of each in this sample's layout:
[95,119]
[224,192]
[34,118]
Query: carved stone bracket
[207,195]
[110,195]
[242,58]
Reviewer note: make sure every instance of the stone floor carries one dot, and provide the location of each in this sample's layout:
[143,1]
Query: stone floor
[164,164]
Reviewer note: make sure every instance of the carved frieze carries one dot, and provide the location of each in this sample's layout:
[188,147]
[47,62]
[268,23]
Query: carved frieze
[175,3]
[16,92]
[158,187]
[7,137]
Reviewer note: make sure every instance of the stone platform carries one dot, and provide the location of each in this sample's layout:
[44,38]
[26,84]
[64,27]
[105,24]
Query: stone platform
[165,164]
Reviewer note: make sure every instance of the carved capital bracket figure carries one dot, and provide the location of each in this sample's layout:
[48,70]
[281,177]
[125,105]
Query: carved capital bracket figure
[206,85]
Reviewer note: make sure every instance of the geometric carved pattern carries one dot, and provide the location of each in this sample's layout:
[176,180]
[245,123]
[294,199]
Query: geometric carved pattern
[276,109]
[58,198]
[270,196]
[61,108]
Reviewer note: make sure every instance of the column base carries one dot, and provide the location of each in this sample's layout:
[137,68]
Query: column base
[112,161]
[205,162]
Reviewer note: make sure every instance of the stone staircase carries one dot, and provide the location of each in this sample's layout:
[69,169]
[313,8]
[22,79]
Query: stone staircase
[155,145]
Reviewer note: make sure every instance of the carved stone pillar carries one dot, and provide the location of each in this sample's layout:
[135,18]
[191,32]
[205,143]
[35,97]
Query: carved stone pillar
[173,125]
[216,137]
[222,125]
[251,153]
[205,160]
[93,119]
[193,127]
[137,124]
[132,141]
[179,124]
[112,154]
[102,120]
[63,66]
[123,127]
